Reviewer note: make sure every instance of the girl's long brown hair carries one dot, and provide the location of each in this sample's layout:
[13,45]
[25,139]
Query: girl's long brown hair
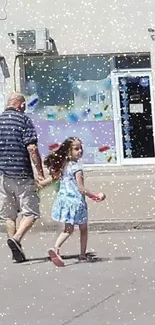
[57,160]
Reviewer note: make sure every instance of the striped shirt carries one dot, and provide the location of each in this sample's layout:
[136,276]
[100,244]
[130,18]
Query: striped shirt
[16,133]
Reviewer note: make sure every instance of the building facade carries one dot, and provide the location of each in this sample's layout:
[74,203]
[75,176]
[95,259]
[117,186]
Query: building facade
[92,76]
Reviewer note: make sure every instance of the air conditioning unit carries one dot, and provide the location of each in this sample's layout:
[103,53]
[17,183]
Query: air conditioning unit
[32,40]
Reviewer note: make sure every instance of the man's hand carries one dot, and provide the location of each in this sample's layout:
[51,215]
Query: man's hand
[43,182]
[40,177]
[38,185]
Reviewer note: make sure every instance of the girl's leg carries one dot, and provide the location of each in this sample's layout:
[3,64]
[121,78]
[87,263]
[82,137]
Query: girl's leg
[83,239]
[65,234]
[54,253]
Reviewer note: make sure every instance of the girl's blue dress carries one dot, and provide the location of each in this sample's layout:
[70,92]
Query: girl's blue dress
[70,205]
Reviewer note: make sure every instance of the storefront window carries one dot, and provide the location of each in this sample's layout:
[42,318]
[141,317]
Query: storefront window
[71,96]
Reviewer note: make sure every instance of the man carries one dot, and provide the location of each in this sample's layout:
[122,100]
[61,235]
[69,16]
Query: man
[18,147]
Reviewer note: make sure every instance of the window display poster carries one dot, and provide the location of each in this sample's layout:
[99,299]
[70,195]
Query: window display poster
[98,138]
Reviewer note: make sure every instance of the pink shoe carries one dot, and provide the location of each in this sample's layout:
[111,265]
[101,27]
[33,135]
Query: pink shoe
[55,258]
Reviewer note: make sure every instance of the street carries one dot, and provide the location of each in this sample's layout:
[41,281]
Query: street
[117,288]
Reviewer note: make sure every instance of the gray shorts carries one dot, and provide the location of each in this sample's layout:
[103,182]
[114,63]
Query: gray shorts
[18,195]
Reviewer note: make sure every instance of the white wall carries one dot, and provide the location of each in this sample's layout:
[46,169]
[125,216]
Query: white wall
[80,26]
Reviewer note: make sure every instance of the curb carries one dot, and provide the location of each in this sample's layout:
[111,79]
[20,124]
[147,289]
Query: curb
[122,225]
[96,226]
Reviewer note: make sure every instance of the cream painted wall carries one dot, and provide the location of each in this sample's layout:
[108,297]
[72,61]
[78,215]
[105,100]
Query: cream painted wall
[80,26]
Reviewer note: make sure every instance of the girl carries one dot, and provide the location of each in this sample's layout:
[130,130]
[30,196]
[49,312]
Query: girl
[70,206]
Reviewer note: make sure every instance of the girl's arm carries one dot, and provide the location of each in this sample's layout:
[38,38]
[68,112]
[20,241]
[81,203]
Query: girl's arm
[84,191]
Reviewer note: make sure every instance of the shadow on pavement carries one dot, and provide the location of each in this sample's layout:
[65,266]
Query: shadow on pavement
[91,258]
[34,260]
[70,257]
[123,258]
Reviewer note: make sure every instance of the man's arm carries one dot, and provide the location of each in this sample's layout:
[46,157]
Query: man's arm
[30,140]
[36,159]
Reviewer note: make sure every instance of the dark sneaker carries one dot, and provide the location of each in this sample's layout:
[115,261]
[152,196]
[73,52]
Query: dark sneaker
[17,252]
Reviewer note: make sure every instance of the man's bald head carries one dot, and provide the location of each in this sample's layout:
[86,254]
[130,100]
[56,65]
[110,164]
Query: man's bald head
[17,101]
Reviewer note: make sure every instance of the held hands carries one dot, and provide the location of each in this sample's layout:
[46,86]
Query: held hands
[38,185]
[40,182]
[40,177]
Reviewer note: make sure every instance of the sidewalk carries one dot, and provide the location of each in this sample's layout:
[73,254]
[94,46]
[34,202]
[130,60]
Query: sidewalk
[116,286]
[130,202]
